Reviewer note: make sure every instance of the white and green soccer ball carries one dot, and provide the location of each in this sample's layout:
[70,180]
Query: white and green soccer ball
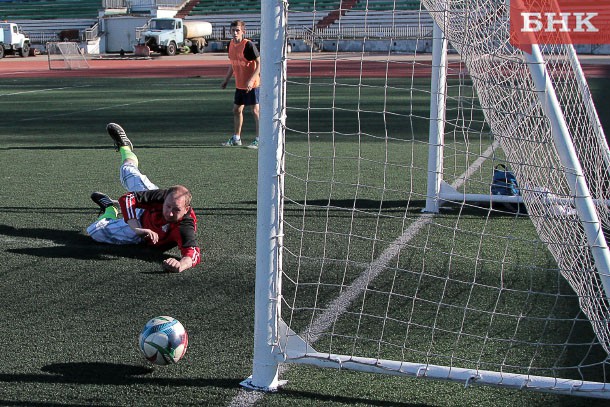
[163,341]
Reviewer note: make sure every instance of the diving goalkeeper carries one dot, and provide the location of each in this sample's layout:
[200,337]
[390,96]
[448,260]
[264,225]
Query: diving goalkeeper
[162,218]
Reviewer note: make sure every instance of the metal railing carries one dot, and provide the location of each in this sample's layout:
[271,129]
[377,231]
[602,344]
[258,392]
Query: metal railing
[42,36]
[339,33]
[114,3]
[139,4]
[92,33]
[356,32]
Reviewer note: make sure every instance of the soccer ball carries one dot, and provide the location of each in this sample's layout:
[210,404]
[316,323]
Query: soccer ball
[163,340]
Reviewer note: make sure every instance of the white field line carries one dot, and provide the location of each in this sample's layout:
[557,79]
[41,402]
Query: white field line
[43,90]
[245,398]
[71,113]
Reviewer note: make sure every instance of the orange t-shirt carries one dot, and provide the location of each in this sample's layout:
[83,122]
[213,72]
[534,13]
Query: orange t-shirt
[243,56]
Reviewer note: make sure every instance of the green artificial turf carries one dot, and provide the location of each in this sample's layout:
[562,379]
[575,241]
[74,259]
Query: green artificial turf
[73,308]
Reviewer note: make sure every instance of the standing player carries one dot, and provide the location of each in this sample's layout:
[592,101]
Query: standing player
[162,218]
[245,64]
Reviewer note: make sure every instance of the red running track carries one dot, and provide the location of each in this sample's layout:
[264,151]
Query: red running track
[215,66]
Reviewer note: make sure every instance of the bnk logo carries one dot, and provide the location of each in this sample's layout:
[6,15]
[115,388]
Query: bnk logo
[559,22]
[552,22]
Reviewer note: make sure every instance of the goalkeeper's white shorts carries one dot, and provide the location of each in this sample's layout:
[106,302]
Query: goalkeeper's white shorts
[117,231]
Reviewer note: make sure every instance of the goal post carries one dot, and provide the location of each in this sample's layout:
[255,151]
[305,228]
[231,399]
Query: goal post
[270,201]
[65,56]
[579,188]
[380,245]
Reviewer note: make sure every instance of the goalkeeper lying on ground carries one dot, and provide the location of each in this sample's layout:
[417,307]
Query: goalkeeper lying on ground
[162,218]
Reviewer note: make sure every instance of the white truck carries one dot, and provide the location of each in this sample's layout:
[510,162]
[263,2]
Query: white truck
[13,41]
[170,35]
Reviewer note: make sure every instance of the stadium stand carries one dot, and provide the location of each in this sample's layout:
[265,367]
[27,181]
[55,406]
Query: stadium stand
[326,14]
[58,29]
[336,14]
[387,5]
[53,20]
[207,7]
[48,9]
[187,8]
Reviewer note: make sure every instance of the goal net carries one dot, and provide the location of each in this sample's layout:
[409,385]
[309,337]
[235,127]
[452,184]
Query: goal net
[382,245]
[66,55]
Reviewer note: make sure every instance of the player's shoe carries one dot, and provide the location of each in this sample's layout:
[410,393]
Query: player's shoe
[118,135]
[232,143]
[253,145]
[103,201]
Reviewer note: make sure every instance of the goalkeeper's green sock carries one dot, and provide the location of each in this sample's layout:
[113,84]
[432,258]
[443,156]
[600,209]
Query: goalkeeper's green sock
[109,213]
[127,154]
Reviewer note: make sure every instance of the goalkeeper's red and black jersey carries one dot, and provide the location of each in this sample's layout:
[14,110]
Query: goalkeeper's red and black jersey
[182,234]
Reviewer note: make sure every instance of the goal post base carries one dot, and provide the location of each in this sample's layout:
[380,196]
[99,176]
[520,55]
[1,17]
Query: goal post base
[265,372]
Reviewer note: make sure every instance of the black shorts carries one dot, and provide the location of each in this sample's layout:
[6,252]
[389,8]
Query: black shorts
[243,97]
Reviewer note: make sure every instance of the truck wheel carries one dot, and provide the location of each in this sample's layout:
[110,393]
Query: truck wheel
[25,50]
[1,51]
[171,49]
[200,44]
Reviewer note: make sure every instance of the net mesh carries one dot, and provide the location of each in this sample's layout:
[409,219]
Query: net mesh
[508,288]
[501,77]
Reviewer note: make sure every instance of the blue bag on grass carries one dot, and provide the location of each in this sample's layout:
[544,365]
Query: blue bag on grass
[504,182]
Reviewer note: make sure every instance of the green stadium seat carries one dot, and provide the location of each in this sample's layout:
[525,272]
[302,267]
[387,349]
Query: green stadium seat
[48,9]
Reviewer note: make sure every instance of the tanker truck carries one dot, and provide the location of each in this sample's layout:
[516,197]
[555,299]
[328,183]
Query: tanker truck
[170,35]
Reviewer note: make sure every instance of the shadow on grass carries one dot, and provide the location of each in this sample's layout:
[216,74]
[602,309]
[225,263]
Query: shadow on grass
[414,207]
[333,398]
[105,147]
[68,244]
[99,373]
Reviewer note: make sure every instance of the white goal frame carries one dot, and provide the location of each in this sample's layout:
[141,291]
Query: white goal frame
[274,342]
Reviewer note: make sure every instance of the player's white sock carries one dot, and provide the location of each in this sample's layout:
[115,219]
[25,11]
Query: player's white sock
[236,137]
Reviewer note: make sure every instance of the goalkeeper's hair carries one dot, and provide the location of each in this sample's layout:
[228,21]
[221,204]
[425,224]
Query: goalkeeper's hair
[181,190]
